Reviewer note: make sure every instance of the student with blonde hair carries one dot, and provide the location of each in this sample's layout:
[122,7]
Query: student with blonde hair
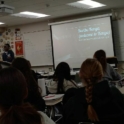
[96,102]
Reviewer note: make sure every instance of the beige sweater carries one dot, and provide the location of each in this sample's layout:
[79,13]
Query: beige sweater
[52,85]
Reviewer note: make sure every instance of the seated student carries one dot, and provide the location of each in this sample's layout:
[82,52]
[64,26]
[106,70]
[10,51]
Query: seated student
[96,102]
[33,72]
[13,90]
[61,79]
[34,95]
[109,72]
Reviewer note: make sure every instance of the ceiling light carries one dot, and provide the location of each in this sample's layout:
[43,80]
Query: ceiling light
[86,4]
[27,14]
[1,23]
[92,4]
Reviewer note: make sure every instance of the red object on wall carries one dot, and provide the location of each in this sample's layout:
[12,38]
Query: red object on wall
[19,48]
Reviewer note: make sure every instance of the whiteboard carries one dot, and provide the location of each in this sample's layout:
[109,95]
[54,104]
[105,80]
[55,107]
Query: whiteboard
[118,29]
[37,48]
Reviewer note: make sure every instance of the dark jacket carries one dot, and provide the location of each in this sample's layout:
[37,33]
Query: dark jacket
[107,102]
[34,96]
[6,55]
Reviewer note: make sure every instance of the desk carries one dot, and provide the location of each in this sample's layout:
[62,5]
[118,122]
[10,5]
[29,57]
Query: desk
[50,74]
[51,102]
[55,99]
[121,90]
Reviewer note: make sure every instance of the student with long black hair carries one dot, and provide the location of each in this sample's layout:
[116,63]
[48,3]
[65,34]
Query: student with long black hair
[61,79]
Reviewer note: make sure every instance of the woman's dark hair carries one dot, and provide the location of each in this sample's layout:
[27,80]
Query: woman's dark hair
[62,72]
[33,89]
[100,55]
[13,90]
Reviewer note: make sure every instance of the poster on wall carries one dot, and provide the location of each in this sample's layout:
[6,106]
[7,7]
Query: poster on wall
[18,35]
[19,48]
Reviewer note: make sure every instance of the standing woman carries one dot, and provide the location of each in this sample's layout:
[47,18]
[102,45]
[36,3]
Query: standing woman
[13,91]
[109,72]
[34,96]
[61,79]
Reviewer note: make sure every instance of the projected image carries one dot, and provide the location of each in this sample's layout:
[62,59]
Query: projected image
[74,42]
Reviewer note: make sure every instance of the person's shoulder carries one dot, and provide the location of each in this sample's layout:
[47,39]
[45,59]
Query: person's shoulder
[45,118]
[108,65]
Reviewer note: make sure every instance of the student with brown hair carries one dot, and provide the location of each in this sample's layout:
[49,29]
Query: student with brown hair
[109,72]
[96,102]
[13,90]
[34,96]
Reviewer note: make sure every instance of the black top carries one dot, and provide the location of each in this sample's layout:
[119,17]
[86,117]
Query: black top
[34,96]
[107,102]
[8,56]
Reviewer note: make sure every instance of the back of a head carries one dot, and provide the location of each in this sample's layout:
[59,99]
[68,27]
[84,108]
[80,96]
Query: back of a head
[100,55]
[13,90]
[91,72]
[22,65]
[63,69]
[62,72]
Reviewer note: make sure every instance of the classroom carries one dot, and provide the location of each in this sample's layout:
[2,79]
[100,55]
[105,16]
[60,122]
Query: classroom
[61,62]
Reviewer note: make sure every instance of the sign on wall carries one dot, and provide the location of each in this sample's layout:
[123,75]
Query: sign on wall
[19,51]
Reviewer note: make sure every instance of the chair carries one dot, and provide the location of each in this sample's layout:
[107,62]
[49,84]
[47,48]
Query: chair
[41,84]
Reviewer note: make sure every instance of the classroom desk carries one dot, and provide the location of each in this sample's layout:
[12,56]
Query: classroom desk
[121,90]
[51,102]
[50,74]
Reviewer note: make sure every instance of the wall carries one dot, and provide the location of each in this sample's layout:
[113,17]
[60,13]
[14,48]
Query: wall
[116,14]
[23,29]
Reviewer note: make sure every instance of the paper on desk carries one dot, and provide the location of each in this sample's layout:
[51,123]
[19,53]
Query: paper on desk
[55,96]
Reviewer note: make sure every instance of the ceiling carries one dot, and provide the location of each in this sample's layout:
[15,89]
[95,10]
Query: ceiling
[54,8]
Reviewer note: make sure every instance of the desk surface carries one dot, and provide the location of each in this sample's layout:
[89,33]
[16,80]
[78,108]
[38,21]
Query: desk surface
[51,73]
[50,101]
[121,90]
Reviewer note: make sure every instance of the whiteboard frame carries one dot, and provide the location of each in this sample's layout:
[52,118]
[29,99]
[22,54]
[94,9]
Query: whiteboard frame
[47,65]
[81,19]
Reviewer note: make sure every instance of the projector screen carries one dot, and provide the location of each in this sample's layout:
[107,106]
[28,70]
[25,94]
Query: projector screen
[74,42]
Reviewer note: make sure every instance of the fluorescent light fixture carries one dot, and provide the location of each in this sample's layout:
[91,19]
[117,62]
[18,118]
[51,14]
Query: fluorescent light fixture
[86,4]
[92,4]
[1,23]
[28,14]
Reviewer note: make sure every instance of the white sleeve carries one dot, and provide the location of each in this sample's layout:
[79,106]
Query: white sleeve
[46,119]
